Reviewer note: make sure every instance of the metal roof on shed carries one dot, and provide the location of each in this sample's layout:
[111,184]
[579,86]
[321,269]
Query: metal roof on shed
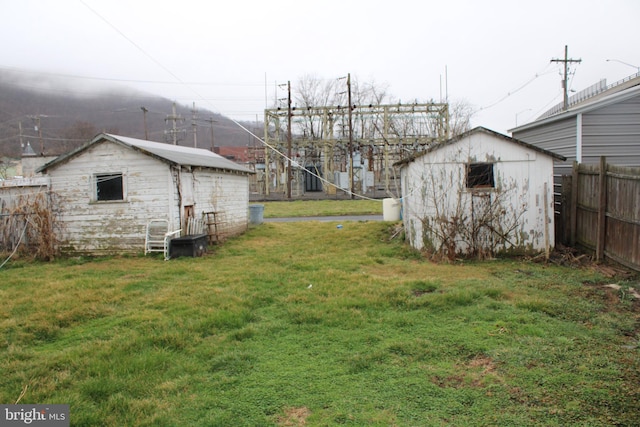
[174,154]
[475,130]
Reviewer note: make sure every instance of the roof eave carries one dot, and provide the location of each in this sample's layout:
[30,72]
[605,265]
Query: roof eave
[478,129]
[580,109]
[65,157]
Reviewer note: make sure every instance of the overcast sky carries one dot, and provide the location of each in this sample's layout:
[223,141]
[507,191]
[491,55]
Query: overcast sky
[228,56]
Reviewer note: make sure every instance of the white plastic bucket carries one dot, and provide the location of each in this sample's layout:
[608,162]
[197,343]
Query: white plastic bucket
[391,209]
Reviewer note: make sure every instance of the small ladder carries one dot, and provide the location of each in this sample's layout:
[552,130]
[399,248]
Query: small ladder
[212,221]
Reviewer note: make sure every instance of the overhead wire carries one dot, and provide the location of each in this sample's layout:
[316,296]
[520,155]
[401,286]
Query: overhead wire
[189,85]
[537,75]
[201,98]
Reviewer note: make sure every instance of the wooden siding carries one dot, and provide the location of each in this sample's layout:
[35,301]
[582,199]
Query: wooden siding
[526,170]
[612,130]
[151,191]
[224,193]
[609,223]
[16,215]
[95,227]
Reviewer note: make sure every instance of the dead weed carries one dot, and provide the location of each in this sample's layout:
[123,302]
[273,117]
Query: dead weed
[294,417]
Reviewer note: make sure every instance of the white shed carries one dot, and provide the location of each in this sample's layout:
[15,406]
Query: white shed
[480,193]
[108,190]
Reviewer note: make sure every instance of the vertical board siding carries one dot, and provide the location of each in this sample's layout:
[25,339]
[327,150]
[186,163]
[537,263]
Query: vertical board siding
[613,131]
[224,193]
[433,184]
[622,212]
[622,240]
[17,197]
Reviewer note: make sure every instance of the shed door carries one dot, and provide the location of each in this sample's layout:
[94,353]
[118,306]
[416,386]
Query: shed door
[186,184]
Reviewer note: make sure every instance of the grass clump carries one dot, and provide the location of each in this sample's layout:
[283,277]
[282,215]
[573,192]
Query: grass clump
[307,324]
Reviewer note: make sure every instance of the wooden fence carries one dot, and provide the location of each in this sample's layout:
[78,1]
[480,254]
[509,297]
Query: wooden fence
[600,210]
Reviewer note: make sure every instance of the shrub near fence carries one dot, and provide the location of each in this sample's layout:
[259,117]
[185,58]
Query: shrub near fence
[29,224]
[601,211]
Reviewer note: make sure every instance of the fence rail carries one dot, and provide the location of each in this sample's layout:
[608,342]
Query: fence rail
[600,210]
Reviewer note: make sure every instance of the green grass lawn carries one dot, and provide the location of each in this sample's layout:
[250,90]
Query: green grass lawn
[307,324]
[298,208]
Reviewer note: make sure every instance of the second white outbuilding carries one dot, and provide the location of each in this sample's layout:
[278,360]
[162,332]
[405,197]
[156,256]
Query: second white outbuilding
[480,193]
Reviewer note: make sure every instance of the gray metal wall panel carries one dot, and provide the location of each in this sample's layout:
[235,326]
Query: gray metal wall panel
[613,131]
[551,137]
[559,137]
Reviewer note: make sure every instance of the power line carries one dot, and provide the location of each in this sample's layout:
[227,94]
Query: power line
[518,89]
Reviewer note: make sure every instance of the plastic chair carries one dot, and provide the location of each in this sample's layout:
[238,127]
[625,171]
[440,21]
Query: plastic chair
[158,236]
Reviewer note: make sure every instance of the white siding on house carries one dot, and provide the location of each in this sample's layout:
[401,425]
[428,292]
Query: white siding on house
[434,186]
[91,226]
[224,193]
[11,190]
[159,181]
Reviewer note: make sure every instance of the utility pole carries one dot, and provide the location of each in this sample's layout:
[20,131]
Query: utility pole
[146,130]
[194,126]
[211,122]
[37,128]
[289,174]
[565,84]
[174,118]
[350,137]
[20,135]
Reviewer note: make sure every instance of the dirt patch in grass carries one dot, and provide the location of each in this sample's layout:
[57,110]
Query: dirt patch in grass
[613,294]
[471,374]
[420,292]
[294,417]
[573,257]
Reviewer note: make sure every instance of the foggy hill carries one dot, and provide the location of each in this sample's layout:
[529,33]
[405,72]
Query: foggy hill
[71,115]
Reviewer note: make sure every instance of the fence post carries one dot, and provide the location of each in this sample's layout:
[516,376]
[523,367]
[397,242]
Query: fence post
[573,216]
[602,209]
[564,223]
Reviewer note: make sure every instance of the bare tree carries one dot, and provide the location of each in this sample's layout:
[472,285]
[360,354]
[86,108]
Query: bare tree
[5,164]
[460,114]
[80,130]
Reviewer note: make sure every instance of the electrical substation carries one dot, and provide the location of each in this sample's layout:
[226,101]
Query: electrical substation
[343,150]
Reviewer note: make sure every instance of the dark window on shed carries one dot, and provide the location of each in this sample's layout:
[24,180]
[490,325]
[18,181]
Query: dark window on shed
[480,175]
[109,187]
